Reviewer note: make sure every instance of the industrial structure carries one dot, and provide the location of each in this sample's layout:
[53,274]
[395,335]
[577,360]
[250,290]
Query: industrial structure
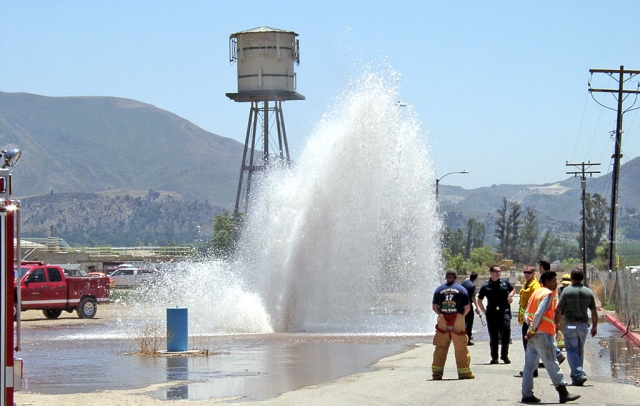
[265,58]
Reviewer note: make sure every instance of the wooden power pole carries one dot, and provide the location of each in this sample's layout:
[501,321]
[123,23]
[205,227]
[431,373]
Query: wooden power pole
[619,93]
[583,181]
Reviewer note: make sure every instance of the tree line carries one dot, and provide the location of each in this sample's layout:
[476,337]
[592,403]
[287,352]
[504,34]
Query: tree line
[520,239]
[517,232]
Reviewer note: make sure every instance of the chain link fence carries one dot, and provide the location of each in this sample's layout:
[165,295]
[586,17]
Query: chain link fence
[621,289]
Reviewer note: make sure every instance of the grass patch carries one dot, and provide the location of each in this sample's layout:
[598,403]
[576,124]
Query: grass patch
[610,307]
[125,295]
[598,290]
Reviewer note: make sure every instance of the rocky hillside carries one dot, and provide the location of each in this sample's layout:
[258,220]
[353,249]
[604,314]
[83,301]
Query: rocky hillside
[96,144]
[92,219]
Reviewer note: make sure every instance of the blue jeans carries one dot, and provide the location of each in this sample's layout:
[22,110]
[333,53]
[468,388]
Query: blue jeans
[540,346]
[575,335]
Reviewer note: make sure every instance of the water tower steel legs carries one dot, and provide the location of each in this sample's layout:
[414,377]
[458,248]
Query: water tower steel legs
[282,133]
[259,108]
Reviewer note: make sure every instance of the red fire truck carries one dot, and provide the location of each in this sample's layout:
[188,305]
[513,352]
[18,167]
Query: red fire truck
[9,220]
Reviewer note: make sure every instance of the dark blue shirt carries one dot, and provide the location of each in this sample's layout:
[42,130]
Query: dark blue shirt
[496,293]
[451,298]
[471,289]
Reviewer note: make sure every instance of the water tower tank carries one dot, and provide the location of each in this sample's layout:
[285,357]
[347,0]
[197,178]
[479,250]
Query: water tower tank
[265,57]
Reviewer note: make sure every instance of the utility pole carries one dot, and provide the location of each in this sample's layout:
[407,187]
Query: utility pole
[621,93]
[583,181]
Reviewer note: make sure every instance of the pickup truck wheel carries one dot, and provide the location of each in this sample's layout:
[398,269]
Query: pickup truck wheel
[87,308]
[52,313]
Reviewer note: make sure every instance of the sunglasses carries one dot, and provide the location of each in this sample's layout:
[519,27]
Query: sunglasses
[528,272]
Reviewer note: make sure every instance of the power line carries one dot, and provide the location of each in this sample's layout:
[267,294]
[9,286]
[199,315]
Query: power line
[621,94]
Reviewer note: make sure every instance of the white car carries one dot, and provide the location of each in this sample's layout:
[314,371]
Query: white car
[125,277]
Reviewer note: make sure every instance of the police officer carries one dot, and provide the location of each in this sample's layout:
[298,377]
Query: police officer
[499,293]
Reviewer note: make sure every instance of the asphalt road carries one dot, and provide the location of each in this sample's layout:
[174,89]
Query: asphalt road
[405,379]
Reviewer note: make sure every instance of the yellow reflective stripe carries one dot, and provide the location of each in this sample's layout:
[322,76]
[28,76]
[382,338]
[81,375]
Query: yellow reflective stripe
[463,370]
[547,319]
[521,310]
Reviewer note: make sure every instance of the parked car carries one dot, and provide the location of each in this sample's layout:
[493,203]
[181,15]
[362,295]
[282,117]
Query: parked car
[109,269]
[75,272]
[133,276]
[103,275]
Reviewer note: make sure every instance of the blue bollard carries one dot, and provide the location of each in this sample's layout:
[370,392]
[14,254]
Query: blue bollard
[177,330]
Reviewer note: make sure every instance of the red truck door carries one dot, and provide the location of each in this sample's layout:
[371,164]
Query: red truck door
[34,290]
[44,289]
[57,293]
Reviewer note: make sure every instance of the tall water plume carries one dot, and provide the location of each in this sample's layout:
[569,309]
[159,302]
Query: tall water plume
[344,242]
[347,240]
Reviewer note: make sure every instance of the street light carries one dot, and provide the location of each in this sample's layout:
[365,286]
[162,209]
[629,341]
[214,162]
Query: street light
[443,176]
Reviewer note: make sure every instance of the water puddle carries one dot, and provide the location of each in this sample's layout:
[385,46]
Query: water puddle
[75,357]
[620,356]
[81,358]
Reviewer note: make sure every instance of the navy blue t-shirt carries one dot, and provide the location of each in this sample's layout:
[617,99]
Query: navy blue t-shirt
[451,298]
[471,289]
[497,294]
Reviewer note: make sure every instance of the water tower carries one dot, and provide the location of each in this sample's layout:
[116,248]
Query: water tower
[265,58]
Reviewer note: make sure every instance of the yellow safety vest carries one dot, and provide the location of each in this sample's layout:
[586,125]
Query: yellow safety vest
[525,294]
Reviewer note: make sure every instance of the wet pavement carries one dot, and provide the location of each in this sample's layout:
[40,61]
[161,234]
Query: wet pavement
[76,357]
[64,360]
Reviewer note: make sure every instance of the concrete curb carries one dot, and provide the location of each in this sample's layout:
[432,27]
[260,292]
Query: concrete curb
[632,336]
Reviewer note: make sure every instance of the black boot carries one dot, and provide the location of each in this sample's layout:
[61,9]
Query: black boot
[565,396]
[530,399]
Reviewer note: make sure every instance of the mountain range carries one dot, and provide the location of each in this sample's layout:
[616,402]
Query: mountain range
[558,205]
[95,144]
[83,158]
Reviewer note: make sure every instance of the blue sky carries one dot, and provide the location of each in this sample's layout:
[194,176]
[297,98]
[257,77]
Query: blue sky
[500,87]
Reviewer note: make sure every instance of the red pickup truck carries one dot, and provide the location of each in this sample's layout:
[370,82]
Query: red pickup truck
[45,287]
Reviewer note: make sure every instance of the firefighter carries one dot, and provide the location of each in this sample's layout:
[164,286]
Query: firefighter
[451,304]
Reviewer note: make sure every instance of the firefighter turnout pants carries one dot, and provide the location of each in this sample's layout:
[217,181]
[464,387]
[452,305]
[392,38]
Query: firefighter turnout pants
[444,335]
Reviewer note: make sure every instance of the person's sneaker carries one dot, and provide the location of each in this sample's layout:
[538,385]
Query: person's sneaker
[494,361]
[530,399]
[506,360]
[561,359]
[470,343]
[579,381]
